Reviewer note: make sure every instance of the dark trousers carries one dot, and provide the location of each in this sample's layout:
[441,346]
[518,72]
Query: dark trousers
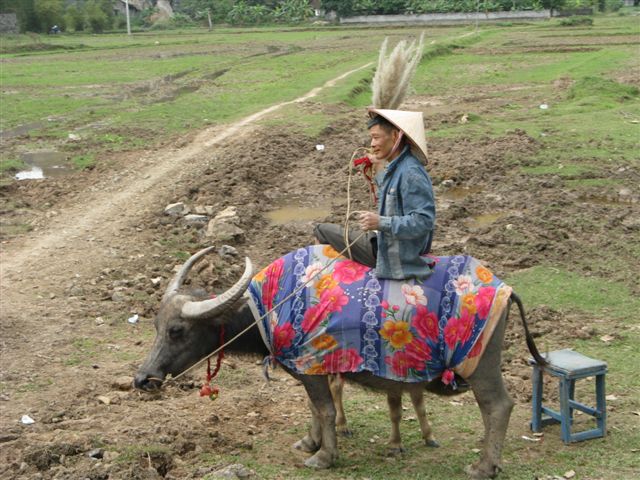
[363,251]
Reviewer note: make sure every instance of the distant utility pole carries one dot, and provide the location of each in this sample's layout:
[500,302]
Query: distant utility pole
[209,18]
[126,7]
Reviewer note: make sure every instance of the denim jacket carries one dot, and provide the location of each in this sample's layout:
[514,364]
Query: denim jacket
[407,219]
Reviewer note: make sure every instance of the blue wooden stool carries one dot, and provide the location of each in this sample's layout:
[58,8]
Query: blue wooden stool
[569,366]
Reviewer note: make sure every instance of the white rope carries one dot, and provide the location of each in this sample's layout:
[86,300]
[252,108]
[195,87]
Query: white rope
[347,250]
[347,217]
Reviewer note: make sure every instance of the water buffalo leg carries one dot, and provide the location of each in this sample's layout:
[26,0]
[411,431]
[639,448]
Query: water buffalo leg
[495,404]
[336,384]
[310,443]
[417,398]
[323,421]
[394,400]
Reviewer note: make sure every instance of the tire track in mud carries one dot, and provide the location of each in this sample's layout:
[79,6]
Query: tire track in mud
[108,208]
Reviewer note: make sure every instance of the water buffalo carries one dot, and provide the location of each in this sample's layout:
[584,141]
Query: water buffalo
[188,328]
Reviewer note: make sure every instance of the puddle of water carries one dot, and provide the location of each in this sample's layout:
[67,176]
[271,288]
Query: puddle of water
[608,199]
[458,193]
[21,130]
[44,164]
[297,214]
[484,220]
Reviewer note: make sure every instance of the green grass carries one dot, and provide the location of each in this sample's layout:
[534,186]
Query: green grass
[601,92]
[576,22]
[458,428]
[561,289]
[84,350]
[355,92]
[35,385]
[82,162]
[11,165]
[13,229]
[559,169]
[298,120]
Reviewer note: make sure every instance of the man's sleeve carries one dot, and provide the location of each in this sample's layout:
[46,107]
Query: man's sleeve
[418,205]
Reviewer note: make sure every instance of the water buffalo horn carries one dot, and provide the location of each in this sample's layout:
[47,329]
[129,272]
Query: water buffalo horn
[209,308]
[177,281]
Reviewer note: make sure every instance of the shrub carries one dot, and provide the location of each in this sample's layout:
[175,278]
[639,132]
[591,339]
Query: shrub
[244,14]
[49,13]
[293,11]
[120,22]
[177,21]
[74,18]
[613,5]
[181,20]
[96,20]
[576,22]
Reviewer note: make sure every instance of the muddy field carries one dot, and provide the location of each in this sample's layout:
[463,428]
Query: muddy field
[101,250]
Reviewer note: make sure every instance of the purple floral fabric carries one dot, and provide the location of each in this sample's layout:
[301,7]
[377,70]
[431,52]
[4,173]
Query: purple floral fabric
[342,318]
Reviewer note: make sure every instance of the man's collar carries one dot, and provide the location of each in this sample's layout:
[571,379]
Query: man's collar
[392,164]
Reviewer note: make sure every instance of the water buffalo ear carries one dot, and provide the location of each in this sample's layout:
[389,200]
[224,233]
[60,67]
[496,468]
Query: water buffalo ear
[213,307]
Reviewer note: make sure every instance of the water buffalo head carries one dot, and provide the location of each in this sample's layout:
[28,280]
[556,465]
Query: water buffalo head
[186,326]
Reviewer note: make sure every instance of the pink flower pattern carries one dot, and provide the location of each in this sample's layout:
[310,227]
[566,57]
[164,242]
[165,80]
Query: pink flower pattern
[484,300]
[271,283]
[427,343]
[458,329]
[426,323]
[283,337]
[349,271]
[342,360]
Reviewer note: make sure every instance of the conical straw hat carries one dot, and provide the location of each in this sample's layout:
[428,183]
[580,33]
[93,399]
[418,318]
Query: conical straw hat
[411,123]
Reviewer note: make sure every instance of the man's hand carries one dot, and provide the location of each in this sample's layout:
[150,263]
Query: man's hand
[377,163]
[369,221]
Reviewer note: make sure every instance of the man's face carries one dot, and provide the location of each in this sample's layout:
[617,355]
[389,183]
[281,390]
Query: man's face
[382,142]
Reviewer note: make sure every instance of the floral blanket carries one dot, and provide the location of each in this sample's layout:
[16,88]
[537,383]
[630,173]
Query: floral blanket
[343,319]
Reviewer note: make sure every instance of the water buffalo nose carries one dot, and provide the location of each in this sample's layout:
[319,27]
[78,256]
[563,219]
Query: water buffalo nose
[140,381]
[146,382]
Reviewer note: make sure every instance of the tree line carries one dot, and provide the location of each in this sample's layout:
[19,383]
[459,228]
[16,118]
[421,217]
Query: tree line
[99,15]
[389,7]
[81,15]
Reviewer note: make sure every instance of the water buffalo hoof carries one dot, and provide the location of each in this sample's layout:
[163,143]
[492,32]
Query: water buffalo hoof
[395,451]
[306,445]
[320,460]
[478,471]
[344,432]
[432,443]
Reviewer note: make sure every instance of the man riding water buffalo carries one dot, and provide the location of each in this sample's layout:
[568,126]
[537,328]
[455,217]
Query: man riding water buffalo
[399,235]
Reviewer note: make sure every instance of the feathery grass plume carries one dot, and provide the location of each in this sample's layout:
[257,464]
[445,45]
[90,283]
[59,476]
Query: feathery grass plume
[394,72]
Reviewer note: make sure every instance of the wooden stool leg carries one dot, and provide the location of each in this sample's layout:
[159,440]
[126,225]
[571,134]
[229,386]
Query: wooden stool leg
[572,393]
[601,404]
[565,416]
[536,400]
